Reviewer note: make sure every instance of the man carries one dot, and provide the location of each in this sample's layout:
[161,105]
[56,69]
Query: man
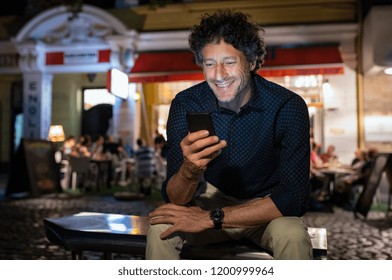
[144,166]
[329,156]
[256,168]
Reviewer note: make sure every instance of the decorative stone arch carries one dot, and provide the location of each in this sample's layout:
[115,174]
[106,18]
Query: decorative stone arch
[59,41]
[41,25]
[59,30]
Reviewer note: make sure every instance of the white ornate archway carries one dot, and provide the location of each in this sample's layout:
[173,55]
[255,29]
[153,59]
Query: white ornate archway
[57,41]
[40,27]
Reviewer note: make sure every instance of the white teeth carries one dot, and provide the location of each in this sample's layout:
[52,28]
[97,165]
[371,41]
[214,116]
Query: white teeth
[223,85]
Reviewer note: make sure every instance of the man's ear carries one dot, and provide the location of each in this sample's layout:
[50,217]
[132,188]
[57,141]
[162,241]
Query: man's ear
[252,66]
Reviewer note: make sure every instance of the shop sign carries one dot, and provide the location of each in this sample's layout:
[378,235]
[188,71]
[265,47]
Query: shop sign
[80,57]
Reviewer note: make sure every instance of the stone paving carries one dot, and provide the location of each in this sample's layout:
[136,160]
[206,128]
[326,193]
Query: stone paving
[22,235]
[351,238]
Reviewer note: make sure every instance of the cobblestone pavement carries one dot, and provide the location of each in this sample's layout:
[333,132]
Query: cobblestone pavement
[22,235]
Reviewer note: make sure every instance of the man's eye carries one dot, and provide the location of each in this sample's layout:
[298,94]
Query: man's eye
[230,62]
[209,64]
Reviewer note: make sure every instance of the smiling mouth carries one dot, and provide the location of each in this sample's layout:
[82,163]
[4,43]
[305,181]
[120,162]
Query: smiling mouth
[223,85]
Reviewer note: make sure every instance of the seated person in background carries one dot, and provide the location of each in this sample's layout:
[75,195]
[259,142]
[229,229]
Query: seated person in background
[161,150]
[97,154]
[319,182]
[115,148]
[82,148]
[125,148]
[115,152]
[97,151]
[110,146]
[315,159]
[347,186]
[359,159]
[257,166]
[144,166]
[160,146]
[329,156]
[68,146]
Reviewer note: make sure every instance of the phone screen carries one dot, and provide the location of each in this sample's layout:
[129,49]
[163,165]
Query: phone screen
[200,121]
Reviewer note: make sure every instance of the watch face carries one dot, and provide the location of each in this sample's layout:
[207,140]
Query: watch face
[217,214]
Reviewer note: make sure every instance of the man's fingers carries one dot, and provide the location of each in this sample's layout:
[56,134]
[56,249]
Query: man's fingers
[171,230]
[210,152]
[198,141]
[203,144]
[194,136]
[168,209]
[181,218]
[161,220]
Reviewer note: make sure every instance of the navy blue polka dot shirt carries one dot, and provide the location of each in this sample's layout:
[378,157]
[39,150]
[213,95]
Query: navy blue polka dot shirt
[267,149]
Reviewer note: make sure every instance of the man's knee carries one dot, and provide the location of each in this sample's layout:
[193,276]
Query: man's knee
[288,238]
[155,230]
[290,229]
[162,249]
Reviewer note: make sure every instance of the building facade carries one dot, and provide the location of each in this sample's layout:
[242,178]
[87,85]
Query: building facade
[49,61]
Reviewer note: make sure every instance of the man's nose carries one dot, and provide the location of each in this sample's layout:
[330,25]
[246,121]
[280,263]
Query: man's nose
[220,72]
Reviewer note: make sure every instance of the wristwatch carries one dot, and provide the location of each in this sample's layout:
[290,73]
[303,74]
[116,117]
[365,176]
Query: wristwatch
[217,216]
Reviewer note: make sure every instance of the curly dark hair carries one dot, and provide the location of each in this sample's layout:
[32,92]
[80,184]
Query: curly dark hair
[234,28]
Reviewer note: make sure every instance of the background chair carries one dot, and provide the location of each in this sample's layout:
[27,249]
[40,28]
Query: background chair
[381,163]
[79,169]
[65,174]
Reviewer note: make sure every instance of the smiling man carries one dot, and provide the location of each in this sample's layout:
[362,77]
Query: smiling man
[251,179]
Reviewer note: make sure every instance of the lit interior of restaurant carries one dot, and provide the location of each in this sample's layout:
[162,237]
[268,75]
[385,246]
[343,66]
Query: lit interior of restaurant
[95,71]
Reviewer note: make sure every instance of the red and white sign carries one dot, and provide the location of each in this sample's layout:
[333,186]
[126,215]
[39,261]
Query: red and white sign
[77,57]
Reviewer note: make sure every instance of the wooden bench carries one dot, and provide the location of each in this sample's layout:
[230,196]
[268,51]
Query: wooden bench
[115,233]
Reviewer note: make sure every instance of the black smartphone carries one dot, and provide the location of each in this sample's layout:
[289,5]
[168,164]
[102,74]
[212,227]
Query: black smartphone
[200,121]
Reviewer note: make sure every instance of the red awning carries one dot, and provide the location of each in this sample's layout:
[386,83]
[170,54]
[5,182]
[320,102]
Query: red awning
[165,62]
[165,67]
[302,56]
[180,65]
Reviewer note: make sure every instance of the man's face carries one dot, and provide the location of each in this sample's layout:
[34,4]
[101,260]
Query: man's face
[227,72]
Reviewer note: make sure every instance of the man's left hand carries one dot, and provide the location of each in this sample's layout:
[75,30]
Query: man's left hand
[182,218]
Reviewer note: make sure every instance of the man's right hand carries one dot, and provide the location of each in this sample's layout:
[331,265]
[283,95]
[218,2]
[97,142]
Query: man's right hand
[198,149]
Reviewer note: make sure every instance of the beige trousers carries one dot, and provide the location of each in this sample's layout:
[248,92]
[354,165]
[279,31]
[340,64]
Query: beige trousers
[285,237]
